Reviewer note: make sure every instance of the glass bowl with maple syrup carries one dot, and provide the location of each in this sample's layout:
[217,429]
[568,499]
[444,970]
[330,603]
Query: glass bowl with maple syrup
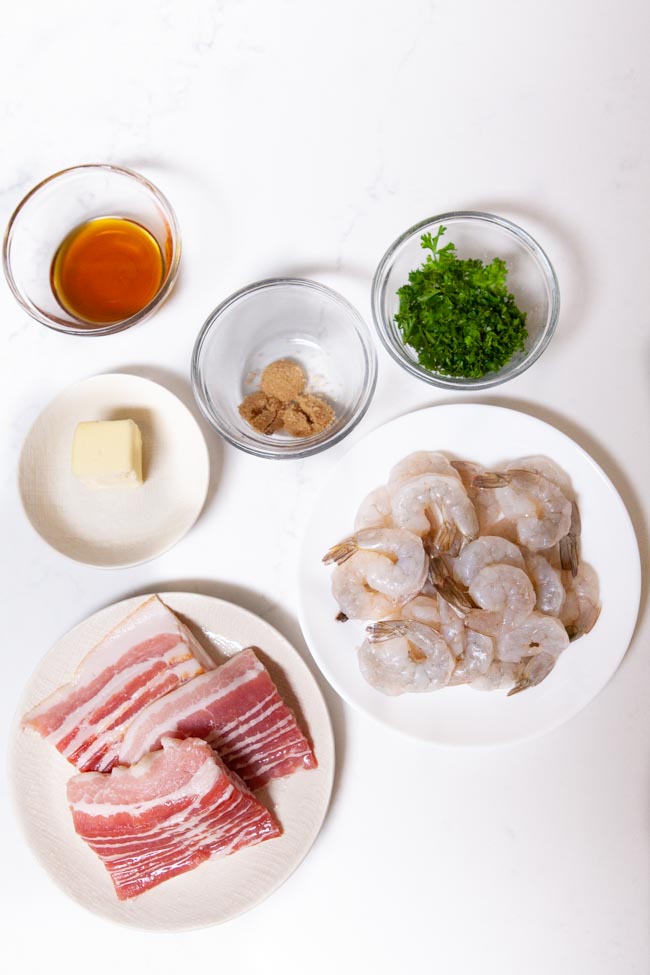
[92,250]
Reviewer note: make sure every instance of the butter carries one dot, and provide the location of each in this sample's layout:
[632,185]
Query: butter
[107,454]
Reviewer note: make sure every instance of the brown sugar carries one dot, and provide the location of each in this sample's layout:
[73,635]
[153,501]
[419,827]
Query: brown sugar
[306,415]
[262,412]
[283,379]
[281,403]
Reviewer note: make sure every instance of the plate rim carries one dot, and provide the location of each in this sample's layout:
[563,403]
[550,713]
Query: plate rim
[204,487]
[407,733]
[15,731]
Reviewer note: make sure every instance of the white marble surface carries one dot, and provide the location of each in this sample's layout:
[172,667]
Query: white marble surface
[302,138]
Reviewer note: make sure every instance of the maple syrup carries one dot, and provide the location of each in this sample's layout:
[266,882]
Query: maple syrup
[106,270]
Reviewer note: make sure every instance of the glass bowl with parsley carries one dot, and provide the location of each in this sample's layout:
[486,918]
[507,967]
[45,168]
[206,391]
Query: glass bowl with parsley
[465,300]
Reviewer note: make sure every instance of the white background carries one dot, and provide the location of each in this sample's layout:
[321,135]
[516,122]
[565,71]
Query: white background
[301,138]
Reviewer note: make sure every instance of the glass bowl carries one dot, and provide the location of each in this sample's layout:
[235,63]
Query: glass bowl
[64,201]
[531,279]
[283,318]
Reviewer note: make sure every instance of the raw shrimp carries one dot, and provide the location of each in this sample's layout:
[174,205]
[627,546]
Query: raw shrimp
[375,510]
[486,503]
[476,659]
[547,582]
[498,675]
[537,634]
[378,570]
[538,464]
[452,627]
[582,604]
[486,550]
[540,510]
[473,651]
[505,596]
[533,671]
[418,463]
[401,656]
[423,609]
[435,506]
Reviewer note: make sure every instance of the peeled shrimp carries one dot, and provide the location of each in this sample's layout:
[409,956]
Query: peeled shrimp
[423,609]
[486,550]
[538,464]
[486,503]
[539,508]
[402,656]
[473,651]
[375,510]
[378,570]
[547,582]
[475,660]
[418,463]
[469,576]
[435,506]
[581,607]
[452,627]
[537,634]
[505,596]
[498,675]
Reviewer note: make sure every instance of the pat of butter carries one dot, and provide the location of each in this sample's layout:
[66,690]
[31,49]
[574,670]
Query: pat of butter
[107,453]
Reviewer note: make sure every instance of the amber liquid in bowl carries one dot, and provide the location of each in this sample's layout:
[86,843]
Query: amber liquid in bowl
[107,270]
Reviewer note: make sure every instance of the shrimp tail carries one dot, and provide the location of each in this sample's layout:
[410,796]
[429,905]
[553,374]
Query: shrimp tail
[535,670]
[569,554]
[583,625]
[448,538]
[490,479]
[444,583]
[444,536]
[341,552]
[457,544]
[385,630]
[569,545]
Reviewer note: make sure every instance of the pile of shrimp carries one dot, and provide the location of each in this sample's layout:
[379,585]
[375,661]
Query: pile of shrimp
[465,575]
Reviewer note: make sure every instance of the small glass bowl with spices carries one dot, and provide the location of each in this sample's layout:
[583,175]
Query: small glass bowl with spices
[284,368]
[465,300]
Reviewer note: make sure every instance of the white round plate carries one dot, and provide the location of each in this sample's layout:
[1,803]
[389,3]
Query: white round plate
[114,529]
[217,890]
[490,436]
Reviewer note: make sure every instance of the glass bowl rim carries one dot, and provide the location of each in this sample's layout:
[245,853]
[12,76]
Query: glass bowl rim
[159,297]
[451,382]
[282,450]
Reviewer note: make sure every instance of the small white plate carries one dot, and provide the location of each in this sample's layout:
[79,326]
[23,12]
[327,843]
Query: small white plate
[115,529]
[488,435]
[217,890]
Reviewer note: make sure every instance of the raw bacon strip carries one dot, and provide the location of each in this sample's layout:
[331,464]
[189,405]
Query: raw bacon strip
[238,710]
[147,655]
[174,809]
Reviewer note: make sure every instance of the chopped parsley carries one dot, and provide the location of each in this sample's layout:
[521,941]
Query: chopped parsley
[458,315]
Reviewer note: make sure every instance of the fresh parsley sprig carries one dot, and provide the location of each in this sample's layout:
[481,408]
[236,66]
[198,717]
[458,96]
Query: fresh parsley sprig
[457,314]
